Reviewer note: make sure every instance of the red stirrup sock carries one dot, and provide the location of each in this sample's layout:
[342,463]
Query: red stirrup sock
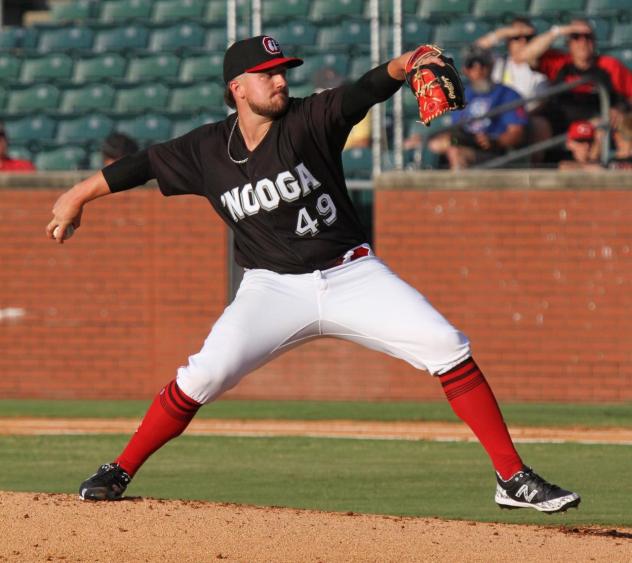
[474,403]
[167,417]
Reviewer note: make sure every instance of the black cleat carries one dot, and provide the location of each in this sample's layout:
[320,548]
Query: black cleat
[526,489]
[108,483]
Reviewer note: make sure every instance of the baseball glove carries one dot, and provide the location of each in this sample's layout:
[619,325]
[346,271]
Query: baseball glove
[438,89]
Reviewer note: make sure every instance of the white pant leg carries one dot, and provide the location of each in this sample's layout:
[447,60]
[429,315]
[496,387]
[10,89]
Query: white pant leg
[366,302]
[270,314]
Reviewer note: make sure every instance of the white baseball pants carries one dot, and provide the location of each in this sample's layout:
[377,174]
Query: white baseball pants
[362,301]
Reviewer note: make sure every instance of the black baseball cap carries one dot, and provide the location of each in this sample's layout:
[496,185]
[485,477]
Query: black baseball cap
[255,55]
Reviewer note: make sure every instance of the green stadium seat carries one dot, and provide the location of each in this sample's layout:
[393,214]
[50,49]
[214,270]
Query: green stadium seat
[95,160]
[298,33]
[62,158]
[415,32]
[3,98]
[216,11]
[123,10]
[33,98]
[548,8]
[201,96]
[121,38]
[500,10]
[339,62]
[100,67]
[621,34]
[65,38]
[86,98]
[433,9]
[460,32]
[140,98]
[152,67]
[31,128]
[357,163]
[21,152]
[609,8]
[146,129]
[280,10]
[624,54]
[84,129]
[57,66]
[359,66]
[183,125]
[177,36]
[9,66]
[215,40]
[602,27]
[350,34]
[18,37]
[336,9]
[173,10]
[77,10]
[202,67]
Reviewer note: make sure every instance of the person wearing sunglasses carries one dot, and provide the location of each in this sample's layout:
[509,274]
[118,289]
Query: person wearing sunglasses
[581,59]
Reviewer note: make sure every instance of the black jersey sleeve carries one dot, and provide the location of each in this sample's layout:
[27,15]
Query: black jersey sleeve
[177,164]
[128,172]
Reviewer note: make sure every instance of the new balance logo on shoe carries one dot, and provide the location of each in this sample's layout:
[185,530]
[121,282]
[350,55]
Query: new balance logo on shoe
[526,489]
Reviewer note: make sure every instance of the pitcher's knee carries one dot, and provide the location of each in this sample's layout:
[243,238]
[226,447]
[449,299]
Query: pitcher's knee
[204,380]
[449,347]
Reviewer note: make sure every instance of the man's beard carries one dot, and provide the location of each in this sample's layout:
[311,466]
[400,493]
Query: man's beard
[274,108]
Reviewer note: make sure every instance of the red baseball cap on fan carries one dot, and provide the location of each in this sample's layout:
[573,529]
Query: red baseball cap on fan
[256,54]
[581,131]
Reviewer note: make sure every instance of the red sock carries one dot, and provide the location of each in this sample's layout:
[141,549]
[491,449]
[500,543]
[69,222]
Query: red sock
[474,403]
[167,417]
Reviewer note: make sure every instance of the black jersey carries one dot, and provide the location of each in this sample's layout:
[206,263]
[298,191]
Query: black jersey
[288,205]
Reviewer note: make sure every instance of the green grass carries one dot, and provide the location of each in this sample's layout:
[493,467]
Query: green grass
[448,480]
[522,414]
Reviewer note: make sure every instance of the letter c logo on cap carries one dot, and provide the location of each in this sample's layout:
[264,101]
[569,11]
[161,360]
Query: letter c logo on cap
[271,46]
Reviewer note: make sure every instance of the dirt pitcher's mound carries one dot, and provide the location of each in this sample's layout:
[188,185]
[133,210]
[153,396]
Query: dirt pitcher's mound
[55,527]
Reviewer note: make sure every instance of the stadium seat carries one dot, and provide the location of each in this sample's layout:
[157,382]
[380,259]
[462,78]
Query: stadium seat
[335,9]
[357,163]
[162,66]
[303,74]
[95,160]
[122,10]
[85,129]
[18,37]
[3,98]
[216,10]
[173,10]
[297,33]
[183,125]
[415,32]
[499,10]
[33,98]
[460,32]
[121,38]
[350,34]
[87,97]
[608,8]
[101,67]
[603,28]
[62,158]
[280,10]
[358,66]
[432,9]
[143,97]
[77,10]
[30,128]
[201,96]
[548,8]
[177,36]
[621,34]
[146,129]
[21,152]
[57,66]
[64,38]
[9,66]
[202,67]
[624,54]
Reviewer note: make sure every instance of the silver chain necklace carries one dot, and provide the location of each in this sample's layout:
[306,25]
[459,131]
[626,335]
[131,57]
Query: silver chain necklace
[230,137]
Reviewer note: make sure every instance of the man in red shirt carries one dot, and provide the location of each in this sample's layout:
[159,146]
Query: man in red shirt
[8,164]
[580,60]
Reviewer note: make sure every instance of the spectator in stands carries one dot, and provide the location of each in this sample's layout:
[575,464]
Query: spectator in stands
[581,60]
[583,143]
[8,164]
[117,145]
[485,138]
[622,135]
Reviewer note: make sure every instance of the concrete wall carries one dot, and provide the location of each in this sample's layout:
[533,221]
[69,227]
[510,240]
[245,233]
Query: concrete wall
[534,267]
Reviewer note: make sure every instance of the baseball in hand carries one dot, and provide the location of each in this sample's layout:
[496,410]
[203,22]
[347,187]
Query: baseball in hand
[70,230]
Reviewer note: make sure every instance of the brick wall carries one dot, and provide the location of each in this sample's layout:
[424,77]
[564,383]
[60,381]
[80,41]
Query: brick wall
[535,269]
